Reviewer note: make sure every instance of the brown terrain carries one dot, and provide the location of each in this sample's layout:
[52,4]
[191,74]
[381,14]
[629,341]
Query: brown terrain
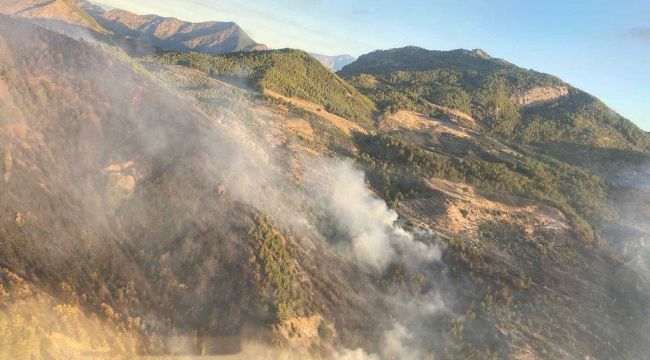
[170,34]
[62,10]
[97,166]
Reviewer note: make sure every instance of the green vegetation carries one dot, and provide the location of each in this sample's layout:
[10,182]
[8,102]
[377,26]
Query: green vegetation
[398,169]
[580,119]
[275,269]
[291,73]
[487,89]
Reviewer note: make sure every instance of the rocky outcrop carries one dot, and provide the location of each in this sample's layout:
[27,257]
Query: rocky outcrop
[120,183]
[541,95]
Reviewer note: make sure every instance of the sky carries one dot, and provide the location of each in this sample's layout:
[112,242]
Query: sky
[600,46]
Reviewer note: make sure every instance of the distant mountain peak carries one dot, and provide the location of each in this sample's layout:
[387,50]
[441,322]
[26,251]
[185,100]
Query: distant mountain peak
[334,63]
[172,34]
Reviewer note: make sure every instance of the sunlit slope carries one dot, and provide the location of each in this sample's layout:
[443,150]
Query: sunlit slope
[517,224]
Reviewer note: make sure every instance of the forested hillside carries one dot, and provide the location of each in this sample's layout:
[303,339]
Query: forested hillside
[515,103]
[289,72]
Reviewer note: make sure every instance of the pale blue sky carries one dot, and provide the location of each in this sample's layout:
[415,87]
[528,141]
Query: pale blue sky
[601,46]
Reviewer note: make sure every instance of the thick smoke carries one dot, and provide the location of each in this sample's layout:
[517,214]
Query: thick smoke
[395,344]
[376,240]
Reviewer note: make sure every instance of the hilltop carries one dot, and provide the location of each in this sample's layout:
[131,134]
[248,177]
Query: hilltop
[291,73]
[515,103]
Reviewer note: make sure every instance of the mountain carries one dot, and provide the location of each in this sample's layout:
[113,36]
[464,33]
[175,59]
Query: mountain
[516,103]
[102,201]
[334,63]
[170,34]
[68,18]
[290,73]
[258,206]
[61,10]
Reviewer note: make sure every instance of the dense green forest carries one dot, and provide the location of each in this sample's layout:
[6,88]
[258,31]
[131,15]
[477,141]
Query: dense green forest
[289,72]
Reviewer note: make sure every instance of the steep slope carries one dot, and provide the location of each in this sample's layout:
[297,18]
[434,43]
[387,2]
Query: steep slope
[170,34]
[121,198]
[291,73]
[520,104]
[61,10]
[334,63]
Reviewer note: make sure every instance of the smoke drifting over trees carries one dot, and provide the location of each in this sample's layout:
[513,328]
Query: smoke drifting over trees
[151,207]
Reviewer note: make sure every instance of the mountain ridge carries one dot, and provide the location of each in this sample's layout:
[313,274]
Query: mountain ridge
[521,104]
[171,34]
[290,72]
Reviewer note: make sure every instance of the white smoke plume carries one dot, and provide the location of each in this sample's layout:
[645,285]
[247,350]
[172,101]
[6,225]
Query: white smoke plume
[395,344]
[376,239]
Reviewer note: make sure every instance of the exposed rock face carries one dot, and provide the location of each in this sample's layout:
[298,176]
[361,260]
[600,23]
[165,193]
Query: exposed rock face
[541,95]
[171,34]
[482,54]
